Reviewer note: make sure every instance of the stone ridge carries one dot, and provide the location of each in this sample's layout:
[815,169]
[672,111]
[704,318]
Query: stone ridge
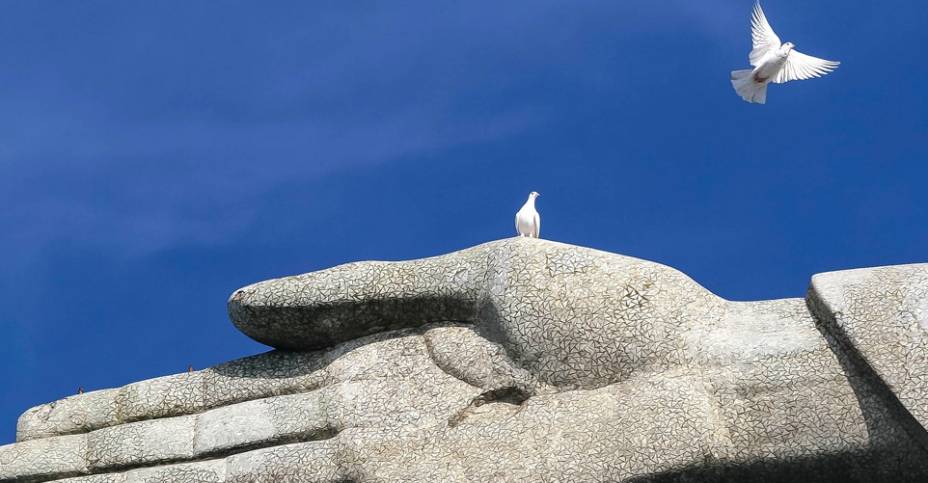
[881,314]
[520,360]
[265,375]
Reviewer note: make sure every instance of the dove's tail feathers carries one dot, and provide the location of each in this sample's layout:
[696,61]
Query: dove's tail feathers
[747,88]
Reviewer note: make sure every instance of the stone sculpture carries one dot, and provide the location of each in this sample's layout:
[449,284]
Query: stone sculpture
[522,360]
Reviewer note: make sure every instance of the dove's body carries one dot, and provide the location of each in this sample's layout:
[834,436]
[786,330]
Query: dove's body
[528,221]
[751,85]
[770,66]
[774,62]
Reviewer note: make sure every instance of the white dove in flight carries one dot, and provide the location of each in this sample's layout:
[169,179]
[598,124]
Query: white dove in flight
[528,221]
[774,62]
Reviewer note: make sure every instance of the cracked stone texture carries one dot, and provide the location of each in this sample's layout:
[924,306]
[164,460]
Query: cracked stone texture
[518,360]
[572,317]
[377,381]
[882,313]
[44,458]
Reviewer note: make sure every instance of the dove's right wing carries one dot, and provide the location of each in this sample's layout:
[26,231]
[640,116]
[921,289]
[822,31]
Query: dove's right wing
[537,227]
[765,39]
[800,66]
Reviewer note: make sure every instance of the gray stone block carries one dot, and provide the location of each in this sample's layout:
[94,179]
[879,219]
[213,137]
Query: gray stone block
[295,463]
[250,378]
[201,472]
[264,422]
[100,478]
[76,414]
[883,314]
[141,443]
[44,458]
[162,397]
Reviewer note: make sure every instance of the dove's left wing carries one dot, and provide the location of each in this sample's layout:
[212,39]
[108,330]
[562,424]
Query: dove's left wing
[800,66]
[763,36]
[537,224]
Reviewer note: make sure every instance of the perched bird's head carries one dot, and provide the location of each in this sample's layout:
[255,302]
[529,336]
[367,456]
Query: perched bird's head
[533,195]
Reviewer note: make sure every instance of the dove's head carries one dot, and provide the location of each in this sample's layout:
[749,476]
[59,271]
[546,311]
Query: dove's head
[534,194]
[789,46]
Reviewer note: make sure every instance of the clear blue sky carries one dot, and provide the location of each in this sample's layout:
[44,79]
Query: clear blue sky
[155,156]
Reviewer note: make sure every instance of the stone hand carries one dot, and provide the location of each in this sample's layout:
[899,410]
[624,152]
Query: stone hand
[626,341]
[520,360]
[572,317]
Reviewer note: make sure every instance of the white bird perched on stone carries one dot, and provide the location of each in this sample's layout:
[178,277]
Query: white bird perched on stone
[528,221]
[774,62]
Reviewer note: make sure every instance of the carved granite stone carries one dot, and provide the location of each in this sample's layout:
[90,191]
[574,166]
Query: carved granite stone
[882,313]
[521,360]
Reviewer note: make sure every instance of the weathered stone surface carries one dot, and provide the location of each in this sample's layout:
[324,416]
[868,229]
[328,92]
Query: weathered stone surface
[767,369]
[256,422]
[77,414]
[161,397]
[570,316]
[255,377]
[44,458]
[265,375]
[141,443]
[298,463]
[201,472]
[883,314]
[520,360]
[384,381]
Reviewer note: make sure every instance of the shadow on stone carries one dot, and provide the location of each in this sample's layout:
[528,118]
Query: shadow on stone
[508,395]
[296,328]
[888,421]
[849,467]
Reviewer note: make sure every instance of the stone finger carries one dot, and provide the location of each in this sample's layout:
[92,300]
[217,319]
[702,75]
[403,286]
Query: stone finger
[324,308]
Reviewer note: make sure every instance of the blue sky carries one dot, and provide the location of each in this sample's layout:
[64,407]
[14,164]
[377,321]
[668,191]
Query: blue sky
[155,156]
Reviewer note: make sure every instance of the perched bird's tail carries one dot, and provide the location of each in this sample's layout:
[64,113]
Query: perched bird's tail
[747,88]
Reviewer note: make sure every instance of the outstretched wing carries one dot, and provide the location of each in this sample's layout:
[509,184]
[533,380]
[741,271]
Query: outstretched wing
[537,225]
[765,39]
[800,66]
